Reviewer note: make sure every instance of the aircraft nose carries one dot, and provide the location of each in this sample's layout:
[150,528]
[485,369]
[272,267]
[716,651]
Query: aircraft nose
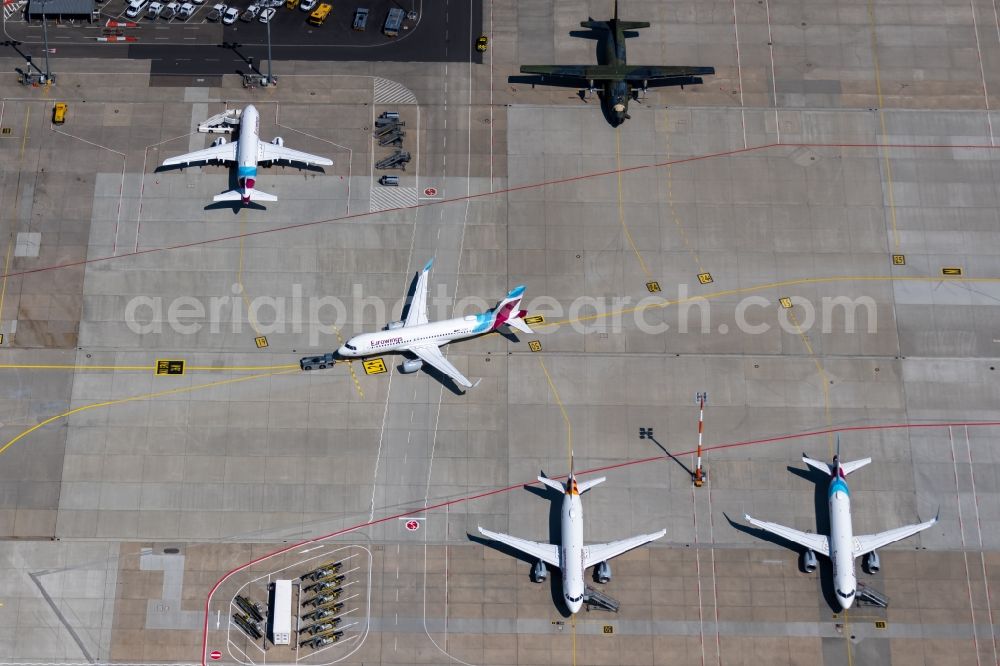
[343,351]
[845,602]
[574,606]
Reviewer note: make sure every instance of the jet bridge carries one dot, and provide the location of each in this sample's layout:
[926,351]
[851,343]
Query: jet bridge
[595,600]
[221,123]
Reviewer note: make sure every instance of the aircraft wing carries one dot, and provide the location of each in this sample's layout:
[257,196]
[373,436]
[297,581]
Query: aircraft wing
[417,314]
[269,152]
[225,153]
[651,75]
[866,543]
[602,552]
[432,355]
[816,542]
[546,552]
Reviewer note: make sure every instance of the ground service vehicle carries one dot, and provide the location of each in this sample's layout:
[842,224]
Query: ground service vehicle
[230,16]
[393,22]
[318,16]
[308,5]
[361,18]
[390,181]
[317,362]
[482,43]
[267,15]
[59,113]
[291,4]
[250,13]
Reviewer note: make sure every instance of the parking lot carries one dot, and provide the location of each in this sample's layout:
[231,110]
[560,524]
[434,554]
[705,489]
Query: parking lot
[438,33]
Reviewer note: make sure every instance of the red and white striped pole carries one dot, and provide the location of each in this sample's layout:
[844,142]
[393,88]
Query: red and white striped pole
[699,475]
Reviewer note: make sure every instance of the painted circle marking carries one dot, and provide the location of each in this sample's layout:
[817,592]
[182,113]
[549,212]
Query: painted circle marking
[215,655]
[413,525]
[430,191]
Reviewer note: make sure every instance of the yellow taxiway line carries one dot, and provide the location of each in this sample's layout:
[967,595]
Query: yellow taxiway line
[562,408]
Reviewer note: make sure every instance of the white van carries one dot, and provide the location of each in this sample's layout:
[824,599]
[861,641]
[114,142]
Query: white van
[135,8]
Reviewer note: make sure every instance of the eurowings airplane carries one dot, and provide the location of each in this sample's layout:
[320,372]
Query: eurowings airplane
[842,547]
[247,152]
[423,339]
[572,558]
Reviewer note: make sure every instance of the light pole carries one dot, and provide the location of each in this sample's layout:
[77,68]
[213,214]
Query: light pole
[45,33]
[269,81]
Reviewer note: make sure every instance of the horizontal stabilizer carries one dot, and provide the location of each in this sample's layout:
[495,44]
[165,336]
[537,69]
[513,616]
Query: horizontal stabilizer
[817,464]
[552,483]
[518,323]
[584,486]
[236,195]
[854,465]
[632,25]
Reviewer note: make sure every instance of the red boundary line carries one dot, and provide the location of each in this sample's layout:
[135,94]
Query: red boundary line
[438,202]
[497,491]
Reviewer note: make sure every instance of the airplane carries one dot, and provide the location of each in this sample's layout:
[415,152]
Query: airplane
[572,558]
[423,339]
[842,547]
[247,152]
[619,81]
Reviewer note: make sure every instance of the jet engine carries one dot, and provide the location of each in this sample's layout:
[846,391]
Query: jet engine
[539,572]
[393,325]
[411,365]
[278,141]
[602,573]
[809,562]
[221,141]
[872,563]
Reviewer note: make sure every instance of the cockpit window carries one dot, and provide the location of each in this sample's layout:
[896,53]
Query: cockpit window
[351,347]
[574,599]
[846,595]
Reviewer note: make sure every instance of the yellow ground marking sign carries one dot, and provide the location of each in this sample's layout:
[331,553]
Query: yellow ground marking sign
[374,366]
[609,629]
[899,260]
[169,367]
[881,624]
[261,342]
[535,345]
[653,287]
[536,319]
[785,302]
[953,270]
[705,278]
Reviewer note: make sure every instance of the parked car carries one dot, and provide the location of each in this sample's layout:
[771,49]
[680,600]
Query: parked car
[135,7]
[186,11]
[170,10]
[230,16]
[153,10]
[361,18]
[250,13]
[308,5]
[267,15]
[216,12]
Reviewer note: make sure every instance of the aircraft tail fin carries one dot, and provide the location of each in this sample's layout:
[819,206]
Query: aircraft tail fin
[508,312]
[237,195]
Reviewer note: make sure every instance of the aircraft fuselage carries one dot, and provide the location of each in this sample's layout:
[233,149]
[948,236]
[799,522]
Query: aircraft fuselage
[845,580]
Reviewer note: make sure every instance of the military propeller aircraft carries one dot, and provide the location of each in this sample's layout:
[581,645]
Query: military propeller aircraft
[619,82]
